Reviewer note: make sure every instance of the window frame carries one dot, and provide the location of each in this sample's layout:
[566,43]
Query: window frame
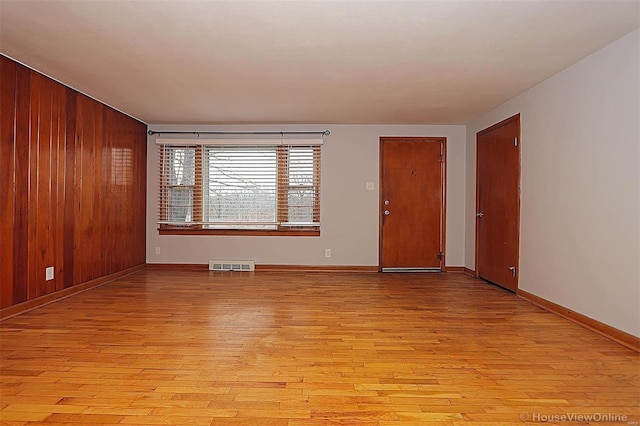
[282,206]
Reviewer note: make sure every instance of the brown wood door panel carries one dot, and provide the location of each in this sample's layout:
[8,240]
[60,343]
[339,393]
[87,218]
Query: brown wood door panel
[412,183]
[498,202]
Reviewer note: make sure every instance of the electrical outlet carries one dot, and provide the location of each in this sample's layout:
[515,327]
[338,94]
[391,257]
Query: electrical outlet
[48,273]
[157,250]
[327,252]
[370,186]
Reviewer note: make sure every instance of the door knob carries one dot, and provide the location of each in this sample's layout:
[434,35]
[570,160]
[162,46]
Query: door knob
[386,202]
[387,212]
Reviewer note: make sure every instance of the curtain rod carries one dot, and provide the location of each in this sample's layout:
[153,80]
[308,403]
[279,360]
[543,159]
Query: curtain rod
[154,132]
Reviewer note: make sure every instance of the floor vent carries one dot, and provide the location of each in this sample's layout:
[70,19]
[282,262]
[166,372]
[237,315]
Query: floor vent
[232,265]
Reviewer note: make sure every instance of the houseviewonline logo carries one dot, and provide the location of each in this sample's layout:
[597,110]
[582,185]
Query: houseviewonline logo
[537,417]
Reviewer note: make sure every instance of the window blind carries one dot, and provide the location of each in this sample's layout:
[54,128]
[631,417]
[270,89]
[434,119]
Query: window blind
[262,186]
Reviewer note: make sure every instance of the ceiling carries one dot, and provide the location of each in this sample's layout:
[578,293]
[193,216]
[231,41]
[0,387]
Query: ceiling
[357,62]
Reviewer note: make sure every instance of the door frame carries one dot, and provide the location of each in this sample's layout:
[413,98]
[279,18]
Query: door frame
[509,120]
[443,211]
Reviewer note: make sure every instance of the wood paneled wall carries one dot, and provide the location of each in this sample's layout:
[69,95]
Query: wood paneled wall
[72,186]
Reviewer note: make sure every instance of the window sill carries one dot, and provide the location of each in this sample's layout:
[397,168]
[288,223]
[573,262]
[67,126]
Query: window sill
[241,232]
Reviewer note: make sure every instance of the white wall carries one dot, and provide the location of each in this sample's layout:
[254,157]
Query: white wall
[580,211]
[349,213]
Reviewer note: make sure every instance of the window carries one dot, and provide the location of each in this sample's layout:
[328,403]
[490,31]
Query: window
[262,188]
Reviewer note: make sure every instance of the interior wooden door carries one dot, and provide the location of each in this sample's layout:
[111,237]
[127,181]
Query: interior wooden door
[412,204]
[498,203]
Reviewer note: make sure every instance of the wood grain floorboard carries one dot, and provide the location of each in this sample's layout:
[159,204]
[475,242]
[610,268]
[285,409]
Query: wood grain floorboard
[289,348]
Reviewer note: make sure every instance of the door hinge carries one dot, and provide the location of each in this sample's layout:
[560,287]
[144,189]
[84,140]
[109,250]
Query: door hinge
[515,141]
[440,255]
[442,158]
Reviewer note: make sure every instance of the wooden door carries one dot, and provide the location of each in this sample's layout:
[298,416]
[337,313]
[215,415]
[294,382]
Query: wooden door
[412,204]
[498,203]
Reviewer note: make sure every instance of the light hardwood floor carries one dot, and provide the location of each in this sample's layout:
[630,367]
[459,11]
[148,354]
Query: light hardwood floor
[195,347]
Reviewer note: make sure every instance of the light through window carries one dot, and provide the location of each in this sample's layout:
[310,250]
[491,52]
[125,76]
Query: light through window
[240,187]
